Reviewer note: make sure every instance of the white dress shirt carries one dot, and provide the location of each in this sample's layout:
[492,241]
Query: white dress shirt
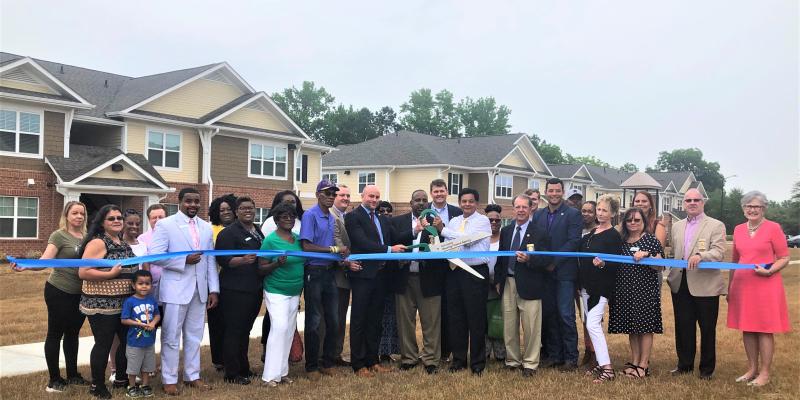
[475,223]
[414,266]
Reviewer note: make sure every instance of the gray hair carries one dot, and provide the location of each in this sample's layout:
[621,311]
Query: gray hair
[523,196]
[754,195]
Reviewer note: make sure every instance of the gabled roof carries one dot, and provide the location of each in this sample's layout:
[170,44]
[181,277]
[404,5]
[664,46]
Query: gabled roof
[678,178]
[84,159]
[568,171]
[641,180]
[609,178]
[405,148]
[9,62]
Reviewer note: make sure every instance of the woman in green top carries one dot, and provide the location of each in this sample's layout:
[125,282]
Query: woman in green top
[282,287]
[62,293]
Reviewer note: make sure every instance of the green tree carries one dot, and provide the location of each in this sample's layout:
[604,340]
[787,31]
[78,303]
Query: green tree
[588,160]
[445,115]
[346,125]
[550,152]
[384,121]
[307,107]
[425,113]
[691,160]
[483,117]
[731,212]
[629,167]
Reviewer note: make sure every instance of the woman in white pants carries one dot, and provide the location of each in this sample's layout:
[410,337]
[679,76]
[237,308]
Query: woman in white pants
[596,281]
[282,287]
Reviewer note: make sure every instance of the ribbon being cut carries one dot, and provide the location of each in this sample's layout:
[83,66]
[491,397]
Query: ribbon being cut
[432,255]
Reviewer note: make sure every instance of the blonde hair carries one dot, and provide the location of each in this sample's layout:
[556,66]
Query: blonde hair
[62,223]
[613,203]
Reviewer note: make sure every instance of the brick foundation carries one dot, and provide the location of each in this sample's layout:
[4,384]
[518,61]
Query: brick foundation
[14,182]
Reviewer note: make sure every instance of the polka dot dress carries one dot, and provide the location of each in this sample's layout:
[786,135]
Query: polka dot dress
[636,308]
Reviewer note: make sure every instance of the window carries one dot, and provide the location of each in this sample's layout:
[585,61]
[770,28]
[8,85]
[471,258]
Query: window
[667,203]
[172,209]
[298,168]
[261,215]
[533,183]
[503,186]
[19,217]
[20,132]
[164,149]
[364,179]
[455,182]
[333,177]
[267,161]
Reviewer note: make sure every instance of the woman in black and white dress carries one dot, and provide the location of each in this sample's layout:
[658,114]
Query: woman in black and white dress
[636,309]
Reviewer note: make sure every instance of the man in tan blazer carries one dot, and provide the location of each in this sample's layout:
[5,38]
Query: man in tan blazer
[340,205]
[695,292]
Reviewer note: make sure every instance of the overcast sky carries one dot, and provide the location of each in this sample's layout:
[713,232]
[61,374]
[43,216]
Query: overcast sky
[620,80]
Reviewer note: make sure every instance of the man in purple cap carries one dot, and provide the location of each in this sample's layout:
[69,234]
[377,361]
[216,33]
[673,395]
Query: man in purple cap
[319,285]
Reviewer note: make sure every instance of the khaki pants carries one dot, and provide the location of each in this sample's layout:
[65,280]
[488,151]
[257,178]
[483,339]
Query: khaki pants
[529,312]
[430,312]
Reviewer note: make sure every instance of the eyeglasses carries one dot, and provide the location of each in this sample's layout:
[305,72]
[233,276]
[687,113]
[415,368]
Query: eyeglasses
[495,220]
[117,218]
[752,207]
[692,200]
[633,220]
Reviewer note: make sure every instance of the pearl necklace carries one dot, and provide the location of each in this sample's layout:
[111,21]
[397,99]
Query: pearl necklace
[752,230]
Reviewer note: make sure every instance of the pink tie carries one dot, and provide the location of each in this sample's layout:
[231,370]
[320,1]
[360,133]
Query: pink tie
[193,232]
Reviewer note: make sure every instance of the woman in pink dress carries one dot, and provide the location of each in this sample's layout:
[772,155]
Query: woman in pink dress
[756,298]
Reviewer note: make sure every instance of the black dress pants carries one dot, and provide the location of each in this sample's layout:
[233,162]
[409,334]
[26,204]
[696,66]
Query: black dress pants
[466,312]
[240,310]
[366,314]
[104,327]
[691,311]
[64,320]
[216,333]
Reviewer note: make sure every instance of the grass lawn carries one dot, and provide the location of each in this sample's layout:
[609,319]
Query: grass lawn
[24,320]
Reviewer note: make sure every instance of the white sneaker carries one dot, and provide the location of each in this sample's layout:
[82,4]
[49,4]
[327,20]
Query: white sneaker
[111,377]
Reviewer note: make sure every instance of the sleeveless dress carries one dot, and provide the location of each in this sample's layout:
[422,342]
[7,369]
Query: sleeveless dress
[106,296]
[636,308]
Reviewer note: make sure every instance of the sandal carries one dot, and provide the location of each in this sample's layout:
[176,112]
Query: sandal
[594,371]
[629,368]
[635,371]
[606,374]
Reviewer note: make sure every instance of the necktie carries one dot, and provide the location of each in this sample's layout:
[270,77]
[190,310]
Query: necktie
[375,222]
[515,242]
[463,225]
[194,233]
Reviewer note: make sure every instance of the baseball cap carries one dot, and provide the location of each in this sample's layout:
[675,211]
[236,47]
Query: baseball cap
[325,185]
[574,192]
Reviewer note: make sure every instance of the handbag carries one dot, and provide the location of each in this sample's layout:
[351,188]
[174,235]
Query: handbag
[296,351]
[494,311]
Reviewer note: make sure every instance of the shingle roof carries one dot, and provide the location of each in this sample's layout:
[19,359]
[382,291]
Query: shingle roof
[411,148]
[641,180]
[85,158]
[664,178]
[564,171]
[610,178]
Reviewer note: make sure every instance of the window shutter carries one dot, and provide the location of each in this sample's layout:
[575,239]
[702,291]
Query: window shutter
[304,169]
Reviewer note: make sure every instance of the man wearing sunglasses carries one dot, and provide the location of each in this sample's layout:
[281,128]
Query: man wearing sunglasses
[695,292]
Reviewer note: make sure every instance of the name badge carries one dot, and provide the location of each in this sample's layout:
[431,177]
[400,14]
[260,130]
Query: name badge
[701,245]
[530,247]
[248,238]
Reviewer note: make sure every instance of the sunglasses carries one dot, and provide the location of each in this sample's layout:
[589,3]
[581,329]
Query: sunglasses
[633,220]
[494,220]
[112,219]
[692,200]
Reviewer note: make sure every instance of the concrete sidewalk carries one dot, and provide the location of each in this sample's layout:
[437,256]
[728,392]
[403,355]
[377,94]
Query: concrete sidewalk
[24,359]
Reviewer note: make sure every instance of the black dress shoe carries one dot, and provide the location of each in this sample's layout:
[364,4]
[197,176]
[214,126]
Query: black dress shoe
[455,368]
[706,377]
[406,367]
[680,371]
[568,367]
[511,367]
[341,362]
[431,369]
[477,372]
[238,380]
[550,364]
[527,372]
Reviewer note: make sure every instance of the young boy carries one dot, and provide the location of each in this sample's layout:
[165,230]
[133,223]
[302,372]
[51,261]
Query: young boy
[140,313]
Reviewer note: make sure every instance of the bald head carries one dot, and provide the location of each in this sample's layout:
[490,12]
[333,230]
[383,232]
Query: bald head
[370,197]
[693,203]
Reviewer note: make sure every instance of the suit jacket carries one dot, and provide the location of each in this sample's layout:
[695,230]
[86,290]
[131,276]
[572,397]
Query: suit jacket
[701,282]
[565,235]
[178,279]
[340,238]
[529,276]
[452,212]
[364,238]
[432,275]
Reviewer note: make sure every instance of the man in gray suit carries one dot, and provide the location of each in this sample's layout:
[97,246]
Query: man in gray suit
[188,286]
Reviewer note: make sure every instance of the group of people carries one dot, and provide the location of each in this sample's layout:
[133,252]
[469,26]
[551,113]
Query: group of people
[538,294]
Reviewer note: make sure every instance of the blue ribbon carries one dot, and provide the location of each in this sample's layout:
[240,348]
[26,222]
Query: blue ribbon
[88,263]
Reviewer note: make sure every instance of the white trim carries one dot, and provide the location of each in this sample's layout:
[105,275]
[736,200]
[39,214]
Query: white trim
[200,75]
[42,100]
[121,157]
[125,138]
[533,148]
[583,167]
[322,176]
[671,183]
[358,179]
[35,65]
[15,218]
[18,132]
[96,120]
[248,134]
[155,119]
[495,186]
[234,109]
[58,177]
[289,168]
[275,109]
[523,157]
[96,189]
[69,116]
[164,132]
